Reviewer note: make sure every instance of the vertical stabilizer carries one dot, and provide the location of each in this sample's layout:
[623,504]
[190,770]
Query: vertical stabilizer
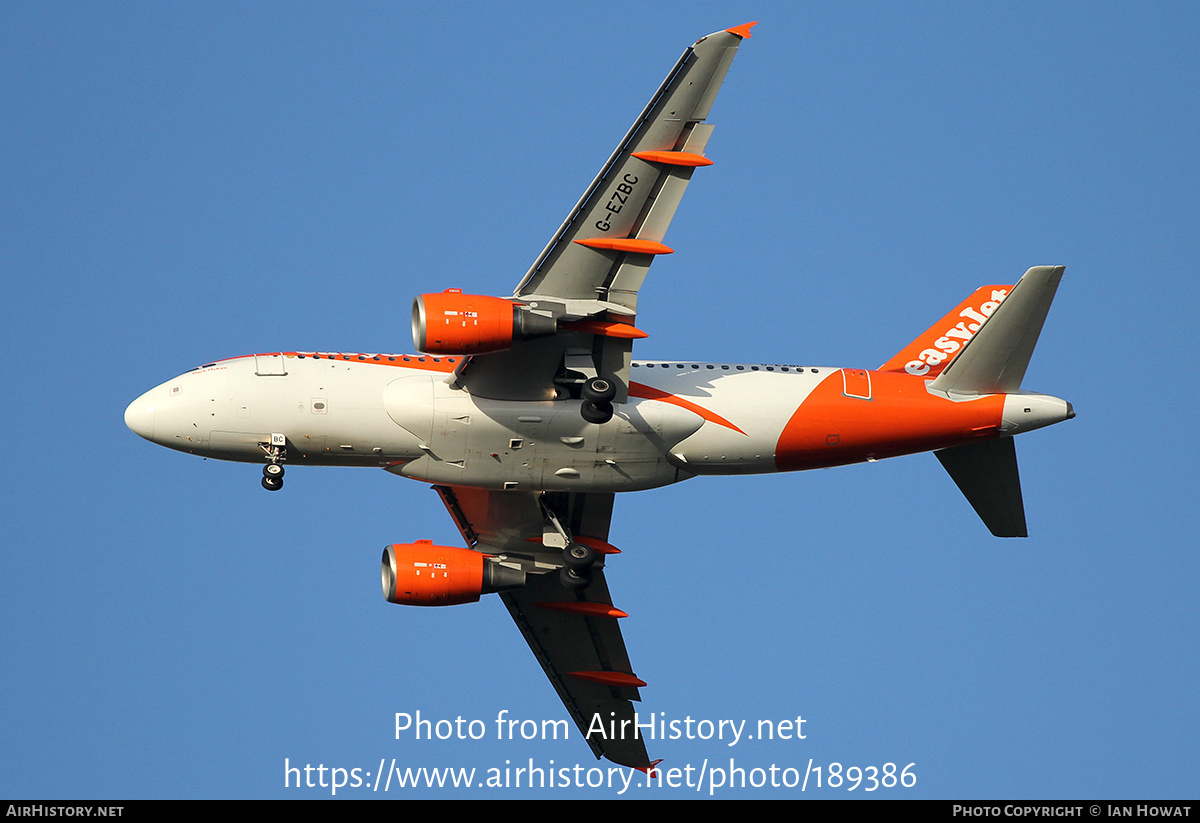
[986,473]
[995,359]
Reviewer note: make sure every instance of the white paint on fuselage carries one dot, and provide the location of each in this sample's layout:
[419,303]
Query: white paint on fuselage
[534,445]
[330,410]
[757,399]
[366,412]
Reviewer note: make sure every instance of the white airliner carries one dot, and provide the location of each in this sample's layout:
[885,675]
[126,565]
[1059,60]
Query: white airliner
[528,413]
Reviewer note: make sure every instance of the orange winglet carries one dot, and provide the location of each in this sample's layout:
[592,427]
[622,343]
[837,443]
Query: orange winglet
[584,608]
[609,678]
[627,244]
[673,158]
[743,31]
[607,328]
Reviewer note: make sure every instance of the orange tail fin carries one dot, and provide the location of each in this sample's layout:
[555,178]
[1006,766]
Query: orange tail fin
[930,353]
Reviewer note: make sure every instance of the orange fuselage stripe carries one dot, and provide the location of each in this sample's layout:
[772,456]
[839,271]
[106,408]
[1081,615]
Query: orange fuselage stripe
[649,393]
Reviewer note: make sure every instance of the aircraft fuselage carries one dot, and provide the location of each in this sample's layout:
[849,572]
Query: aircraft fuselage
[681,419]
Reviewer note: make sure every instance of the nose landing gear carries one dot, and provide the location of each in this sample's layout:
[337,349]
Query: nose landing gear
[276,453]
[273,477]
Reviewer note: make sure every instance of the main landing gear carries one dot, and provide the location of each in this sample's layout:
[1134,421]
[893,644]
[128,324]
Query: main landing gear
[578,557]
[598,394]
[576,572]
[272,479]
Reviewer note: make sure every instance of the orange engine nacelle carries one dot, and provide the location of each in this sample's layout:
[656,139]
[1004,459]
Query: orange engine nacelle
[457,323]
[422,574]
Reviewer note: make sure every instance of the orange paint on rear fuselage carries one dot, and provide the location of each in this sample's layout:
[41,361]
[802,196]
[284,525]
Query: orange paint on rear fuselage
[902,417]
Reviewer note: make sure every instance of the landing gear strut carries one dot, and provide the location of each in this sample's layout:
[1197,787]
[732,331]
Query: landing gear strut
[272,479]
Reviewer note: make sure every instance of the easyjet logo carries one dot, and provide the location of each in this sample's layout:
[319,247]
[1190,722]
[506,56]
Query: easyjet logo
[955,337]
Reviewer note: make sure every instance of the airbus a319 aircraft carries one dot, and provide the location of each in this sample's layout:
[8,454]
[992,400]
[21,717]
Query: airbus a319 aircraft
[528,414]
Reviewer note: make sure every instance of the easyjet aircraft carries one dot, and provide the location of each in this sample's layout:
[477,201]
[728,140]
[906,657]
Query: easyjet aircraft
[528,413]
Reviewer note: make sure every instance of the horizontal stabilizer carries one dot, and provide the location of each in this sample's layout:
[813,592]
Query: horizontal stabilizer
[995,359]
[986,474]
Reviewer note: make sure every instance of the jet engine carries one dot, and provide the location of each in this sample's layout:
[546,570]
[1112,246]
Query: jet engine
[457,323]
[422,574]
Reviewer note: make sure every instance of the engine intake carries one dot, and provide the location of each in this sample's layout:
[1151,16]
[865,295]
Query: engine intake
[422,574]
[457,323]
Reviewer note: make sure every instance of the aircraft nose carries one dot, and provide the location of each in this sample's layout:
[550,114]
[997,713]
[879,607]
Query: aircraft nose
[139,417]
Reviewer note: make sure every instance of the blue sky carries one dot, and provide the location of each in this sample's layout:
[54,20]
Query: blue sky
[184,182]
